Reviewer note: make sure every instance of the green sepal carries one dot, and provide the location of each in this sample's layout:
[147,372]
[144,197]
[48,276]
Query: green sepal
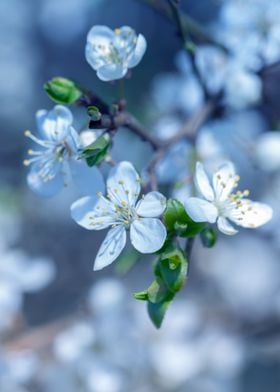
[208,237]
[179,222]
[97,151]
[62,90]
[174,213]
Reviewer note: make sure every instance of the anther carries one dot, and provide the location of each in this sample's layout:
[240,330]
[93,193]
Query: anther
[27,133]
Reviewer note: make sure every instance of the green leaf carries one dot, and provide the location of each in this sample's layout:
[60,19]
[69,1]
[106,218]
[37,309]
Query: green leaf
[94,113]
[170,272]
[208,237]
[157,310]
[174,268]
[97,151]
[62,90]
[178,221]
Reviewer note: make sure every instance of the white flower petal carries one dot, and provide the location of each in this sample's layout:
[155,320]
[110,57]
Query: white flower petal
[202,183]
[123,184]
[99,39]
[147,235]
[151,205]
[251,214]
[201,210]
[111,247]
[93,213]
[225,227]
[73,140]
[88,180]
[224,180]
[43,187]
[140,49]
[111,72]
[100,35]
[54,125]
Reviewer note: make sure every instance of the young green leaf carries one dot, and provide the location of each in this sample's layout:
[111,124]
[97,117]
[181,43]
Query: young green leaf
[97,151]
[157,310]
[141,295]
[174,278]
[157,291]
[63,91]
[94,113]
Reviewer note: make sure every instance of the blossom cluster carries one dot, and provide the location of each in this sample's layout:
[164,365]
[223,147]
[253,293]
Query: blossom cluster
[150,219]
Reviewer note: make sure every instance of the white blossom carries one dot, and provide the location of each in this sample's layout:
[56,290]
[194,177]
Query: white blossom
[57,162]
[218,203]
[120,212]
[112,52]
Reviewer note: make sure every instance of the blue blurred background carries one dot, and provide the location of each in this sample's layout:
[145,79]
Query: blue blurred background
[65,328]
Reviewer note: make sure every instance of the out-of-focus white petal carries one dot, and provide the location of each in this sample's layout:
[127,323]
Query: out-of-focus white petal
[43,187]
[54,125]
[88,180]
[147,235]
[267,151]
[93,213]
[123,184]
[202,182]
[251,214]
[99,39]
[224,180]
[100,35]
[111,72]
[225,227]
[37,274]
[151,205]
[201,210]
[242,88]
[138,53]
[111,247]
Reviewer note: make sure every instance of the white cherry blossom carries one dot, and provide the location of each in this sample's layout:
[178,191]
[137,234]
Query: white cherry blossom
[219,203]
[57,161]
[120,211]
[112,52]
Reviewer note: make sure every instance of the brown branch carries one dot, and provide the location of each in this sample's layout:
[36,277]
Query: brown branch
[192,124]
[127,120]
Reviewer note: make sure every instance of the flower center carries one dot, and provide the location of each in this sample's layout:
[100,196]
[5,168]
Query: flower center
[234,202]
[47,159]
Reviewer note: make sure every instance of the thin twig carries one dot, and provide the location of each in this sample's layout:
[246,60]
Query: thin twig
[127,120]
[188,249]
[188,44]
[192,124]
[193,27]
